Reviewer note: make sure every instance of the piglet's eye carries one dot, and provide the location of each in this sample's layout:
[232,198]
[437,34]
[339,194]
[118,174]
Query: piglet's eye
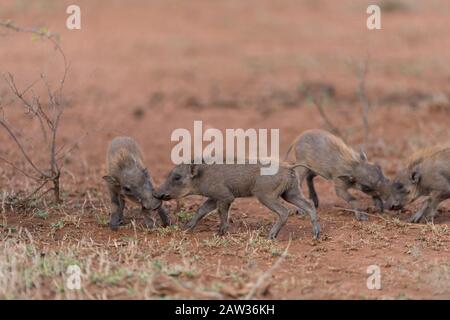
[126,189]
[177,178]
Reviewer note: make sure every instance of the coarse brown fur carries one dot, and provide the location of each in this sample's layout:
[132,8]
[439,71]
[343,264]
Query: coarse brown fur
[426,173]
[123,152]
[426,153]
[325,154]
[129,179]
[222,183]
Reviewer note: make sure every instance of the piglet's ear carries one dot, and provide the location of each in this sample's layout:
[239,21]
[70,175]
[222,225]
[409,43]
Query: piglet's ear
[362,154]
[111,180]
[347,179]
[194,170]
[415,176]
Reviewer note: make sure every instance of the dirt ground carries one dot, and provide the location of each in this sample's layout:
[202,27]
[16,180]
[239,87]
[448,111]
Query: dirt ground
[145,68]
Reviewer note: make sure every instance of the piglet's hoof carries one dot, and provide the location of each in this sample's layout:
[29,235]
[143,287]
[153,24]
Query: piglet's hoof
[189,225]
[150,224]
[167,223]
[114,227]
[316,231]
[271,237]
[414,219]
[362,216]
[222,230]
[115,223]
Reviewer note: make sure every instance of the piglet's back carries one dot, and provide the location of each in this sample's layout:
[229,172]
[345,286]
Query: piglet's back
[324,152]
[439,153]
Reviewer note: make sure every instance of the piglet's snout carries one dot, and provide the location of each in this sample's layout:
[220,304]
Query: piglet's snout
[161,195]
[157,194]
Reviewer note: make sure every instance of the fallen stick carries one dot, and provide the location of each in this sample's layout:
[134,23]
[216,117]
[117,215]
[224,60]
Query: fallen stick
[262,279]
[413,225]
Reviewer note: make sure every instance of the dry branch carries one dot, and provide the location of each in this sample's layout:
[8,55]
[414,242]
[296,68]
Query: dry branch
[262,280]
[362,70]
[48,115]
[328,123]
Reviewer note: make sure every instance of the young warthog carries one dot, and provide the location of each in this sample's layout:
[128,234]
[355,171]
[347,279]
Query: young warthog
[128,178]
[427,173]
[222,183]
[326,155]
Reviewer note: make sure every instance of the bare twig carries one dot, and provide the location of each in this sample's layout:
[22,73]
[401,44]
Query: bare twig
[330,126]
[360,211]
[362,70]
[263,278]
[18,169]
[63,154]
[35,191]
[48,116]
[378,216]
[21,148]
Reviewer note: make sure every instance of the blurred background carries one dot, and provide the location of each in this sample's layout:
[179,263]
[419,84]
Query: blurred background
[145,68]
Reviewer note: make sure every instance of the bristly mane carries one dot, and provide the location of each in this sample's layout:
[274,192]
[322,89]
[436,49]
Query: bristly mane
[346,152]
[422,154]
[123,159]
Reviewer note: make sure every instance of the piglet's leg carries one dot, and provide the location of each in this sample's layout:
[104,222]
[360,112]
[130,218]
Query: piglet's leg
[207,206]
[434,205]
[429,207]
[341,188]
[164,216]
[223,207]
[378,203]
[312,191]
[433,212]
[302,173]
[293,196]
[282,212]
[421,212]
[148,219]
[117,206]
